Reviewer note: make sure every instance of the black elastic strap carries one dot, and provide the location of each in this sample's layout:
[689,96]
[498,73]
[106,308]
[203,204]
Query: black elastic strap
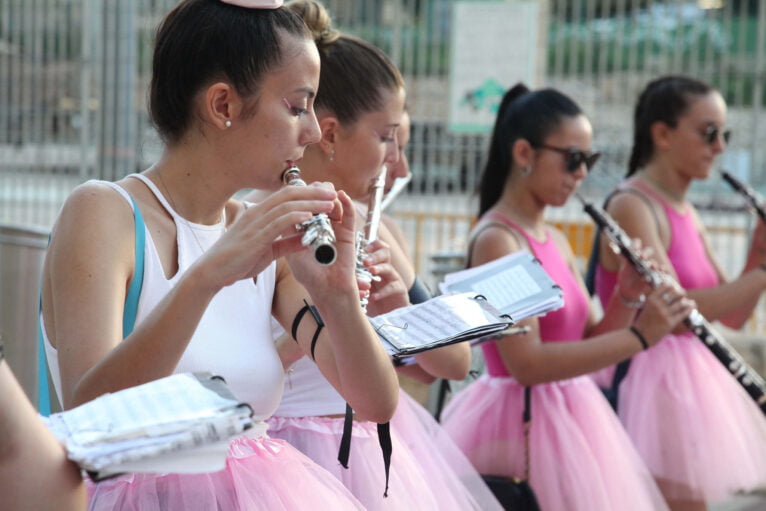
[419,292]
[314,339]
[444,390]
[640,337]
[620,372]
[297,321]
[527,404]
[345,440]
[384,438]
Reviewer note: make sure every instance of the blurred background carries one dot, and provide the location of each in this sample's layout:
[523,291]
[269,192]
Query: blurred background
[74,75]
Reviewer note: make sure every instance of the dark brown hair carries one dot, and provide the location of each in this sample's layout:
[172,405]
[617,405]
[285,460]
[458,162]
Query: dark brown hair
[200,41]
[522,114]
[665,99]
[354,73]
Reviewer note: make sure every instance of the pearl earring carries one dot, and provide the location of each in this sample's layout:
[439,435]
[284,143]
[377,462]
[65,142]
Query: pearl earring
[227,124]
[332,155]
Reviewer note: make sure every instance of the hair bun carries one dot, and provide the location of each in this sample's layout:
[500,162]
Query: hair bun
[515,93]
[317,19]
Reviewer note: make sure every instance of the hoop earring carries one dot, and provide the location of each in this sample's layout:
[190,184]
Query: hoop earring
[227,124]
[526,171]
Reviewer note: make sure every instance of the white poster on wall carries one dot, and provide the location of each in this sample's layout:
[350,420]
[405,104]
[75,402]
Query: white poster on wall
[494,45]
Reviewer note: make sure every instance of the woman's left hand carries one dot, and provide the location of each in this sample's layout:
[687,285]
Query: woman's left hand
[389,292]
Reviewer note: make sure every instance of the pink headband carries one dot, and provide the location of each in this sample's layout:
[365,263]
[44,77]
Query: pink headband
[255,4]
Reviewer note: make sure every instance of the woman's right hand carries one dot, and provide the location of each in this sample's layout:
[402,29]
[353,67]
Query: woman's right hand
[264,232]
[665,308]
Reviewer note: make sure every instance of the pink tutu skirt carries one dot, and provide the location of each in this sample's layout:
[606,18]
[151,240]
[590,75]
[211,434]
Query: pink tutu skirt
[410,487]
[261,474]
[442,460]
[581,459]
[697,429]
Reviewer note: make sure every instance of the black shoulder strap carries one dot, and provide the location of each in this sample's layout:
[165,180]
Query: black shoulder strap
[621,369]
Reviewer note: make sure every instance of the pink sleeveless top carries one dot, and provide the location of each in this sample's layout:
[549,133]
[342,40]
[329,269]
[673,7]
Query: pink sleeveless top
[564,324]
[686,253]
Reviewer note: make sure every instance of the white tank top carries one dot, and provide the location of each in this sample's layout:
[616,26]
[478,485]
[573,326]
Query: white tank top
[233,338]
[307,392]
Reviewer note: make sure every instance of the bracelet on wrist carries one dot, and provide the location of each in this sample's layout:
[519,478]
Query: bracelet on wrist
[633,304]
[640,337]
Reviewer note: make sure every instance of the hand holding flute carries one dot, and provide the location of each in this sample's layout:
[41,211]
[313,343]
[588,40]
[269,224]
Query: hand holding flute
[317,232]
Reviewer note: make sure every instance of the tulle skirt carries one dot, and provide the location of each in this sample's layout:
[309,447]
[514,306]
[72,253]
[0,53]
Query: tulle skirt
[441,459]
[581,459]
[261,474]
[411,486]
[697,429]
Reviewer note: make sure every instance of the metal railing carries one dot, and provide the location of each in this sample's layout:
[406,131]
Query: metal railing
[73,77]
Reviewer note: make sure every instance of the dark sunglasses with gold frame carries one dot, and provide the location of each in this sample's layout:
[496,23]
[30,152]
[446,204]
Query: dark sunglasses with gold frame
[573,157]
[712,133]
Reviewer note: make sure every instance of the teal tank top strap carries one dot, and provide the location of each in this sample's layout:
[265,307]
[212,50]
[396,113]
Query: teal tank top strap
[43,391]
[128,315]
[134,291]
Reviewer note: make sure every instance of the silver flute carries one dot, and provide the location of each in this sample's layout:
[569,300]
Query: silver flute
[370,231]
[745,375]
[400,183]
[317,232]
[753,198]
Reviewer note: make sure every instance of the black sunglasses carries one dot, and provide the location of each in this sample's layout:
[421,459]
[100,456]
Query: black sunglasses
[574,157]
[713,132]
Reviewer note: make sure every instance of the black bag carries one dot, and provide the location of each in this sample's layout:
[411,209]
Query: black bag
[516,494]
[513,494]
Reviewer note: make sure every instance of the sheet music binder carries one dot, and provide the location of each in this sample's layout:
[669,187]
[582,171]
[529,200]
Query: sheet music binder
[181,423]
[516,284]
[440,321]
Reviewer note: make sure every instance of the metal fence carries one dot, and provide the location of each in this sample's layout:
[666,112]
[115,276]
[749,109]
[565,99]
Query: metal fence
[73,77]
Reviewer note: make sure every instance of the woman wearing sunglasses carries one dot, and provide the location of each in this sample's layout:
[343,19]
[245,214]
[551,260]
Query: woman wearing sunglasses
[699,433]
[579,455]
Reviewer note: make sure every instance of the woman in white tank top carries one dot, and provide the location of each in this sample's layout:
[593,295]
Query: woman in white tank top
[232,97]
[360,105]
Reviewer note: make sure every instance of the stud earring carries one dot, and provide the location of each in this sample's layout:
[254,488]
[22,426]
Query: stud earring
[227,124]
[526,170]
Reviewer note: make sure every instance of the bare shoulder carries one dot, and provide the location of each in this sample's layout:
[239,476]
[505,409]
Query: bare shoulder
[632,206]
[94,209]
[491,240]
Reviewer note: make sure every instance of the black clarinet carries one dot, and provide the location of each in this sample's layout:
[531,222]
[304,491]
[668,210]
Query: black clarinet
[753,198]
[750,380]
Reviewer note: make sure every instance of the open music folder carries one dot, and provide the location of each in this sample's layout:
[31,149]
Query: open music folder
[516,284]
[438,322]
[181,423]
[477,304]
